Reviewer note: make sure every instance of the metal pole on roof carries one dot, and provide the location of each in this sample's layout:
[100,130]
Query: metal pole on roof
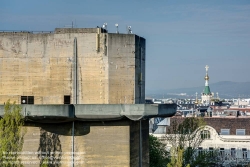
[73,142]
[75,97]
[140,146]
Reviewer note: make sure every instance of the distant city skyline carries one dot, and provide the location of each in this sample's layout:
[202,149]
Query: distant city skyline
[181,36]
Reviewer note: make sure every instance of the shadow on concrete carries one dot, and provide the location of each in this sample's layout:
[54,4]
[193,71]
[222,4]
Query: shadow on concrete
[65,129]
[81,129]
[50,149]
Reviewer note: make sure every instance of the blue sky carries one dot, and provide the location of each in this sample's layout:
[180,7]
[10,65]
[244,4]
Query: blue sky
[182,36]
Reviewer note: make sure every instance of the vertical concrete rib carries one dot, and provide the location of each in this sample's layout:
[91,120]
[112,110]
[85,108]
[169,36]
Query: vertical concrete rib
[75,84]
[108,80]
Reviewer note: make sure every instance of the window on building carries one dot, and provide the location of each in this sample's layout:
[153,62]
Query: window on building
[244,153]
[200,151]
[211,151]
[225,132]
[240,131]
[66,99]
[222,153]
[233,153]
[27,99]
[205,134]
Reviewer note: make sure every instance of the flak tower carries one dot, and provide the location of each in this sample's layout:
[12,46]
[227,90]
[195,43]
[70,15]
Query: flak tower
[206,95]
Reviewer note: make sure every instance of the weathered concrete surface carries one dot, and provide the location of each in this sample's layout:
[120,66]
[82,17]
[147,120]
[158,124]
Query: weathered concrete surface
[110,67]
[95,144]
[135,148]
[126,55]
[99,143]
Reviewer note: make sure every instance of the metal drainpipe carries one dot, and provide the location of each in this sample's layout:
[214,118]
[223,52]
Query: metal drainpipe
[73,131]
[76,100]
[140,147]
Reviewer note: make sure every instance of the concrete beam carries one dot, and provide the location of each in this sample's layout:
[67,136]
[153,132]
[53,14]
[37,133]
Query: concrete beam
[94,112]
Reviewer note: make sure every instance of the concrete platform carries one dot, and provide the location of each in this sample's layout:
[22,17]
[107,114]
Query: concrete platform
[94,112]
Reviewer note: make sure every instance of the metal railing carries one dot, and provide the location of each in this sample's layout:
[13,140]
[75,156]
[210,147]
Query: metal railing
[25,31]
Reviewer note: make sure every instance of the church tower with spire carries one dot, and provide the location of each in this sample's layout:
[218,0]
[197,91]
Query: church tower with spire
[206,95]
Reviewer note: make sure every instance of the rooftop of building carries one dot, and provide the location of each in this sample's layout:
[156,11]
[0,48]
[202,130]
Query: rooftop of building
[218,123]
[59,31]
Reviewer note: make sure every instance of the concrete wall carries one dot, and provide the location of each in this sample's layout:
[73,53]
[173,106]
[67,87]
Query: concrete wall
[126,54]
[107,143]
[140,52]
[36,65]
[137,151]
[110,67]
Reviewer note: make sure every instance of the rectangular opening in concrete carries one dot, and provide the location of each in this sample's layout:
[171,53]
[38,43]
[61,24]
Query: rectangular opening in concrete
[27,99]
[66,99]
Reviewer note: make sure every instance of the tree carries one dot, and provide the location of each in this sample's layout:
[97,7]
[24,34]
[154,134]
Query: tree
[176,157]
[11,135]
[186,133]
[185,138]
[158,155]
[45,162]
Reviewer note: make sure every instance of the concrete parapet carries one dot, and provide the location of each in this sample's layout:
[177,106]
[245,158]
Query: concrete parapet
[78,30]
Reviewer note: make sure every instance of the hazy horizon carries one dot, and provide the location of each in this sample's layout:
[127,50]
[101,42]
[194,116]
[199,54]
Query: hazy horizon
[198,85]
[181,36]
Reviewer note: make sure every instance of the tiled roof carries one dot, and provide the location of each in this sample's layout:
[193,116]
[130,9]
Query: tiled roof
[219,123]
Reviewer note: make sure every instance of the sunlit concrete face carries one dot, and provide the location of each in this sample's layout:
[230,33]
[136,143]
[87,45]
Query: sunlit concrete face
[102,68]
[94,144]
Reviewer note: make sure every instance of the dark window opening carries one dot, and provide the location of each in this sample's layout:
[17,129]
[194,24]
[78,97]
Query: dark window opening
[222,153]
[244,153]
[66,99]
[233,153]
[205,134]
[200,151]
[211,151]
[27,99]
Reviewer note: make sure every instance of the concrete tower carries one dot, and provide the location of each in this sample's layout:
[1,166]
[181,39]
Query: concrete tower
[82,93]
[206,95]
